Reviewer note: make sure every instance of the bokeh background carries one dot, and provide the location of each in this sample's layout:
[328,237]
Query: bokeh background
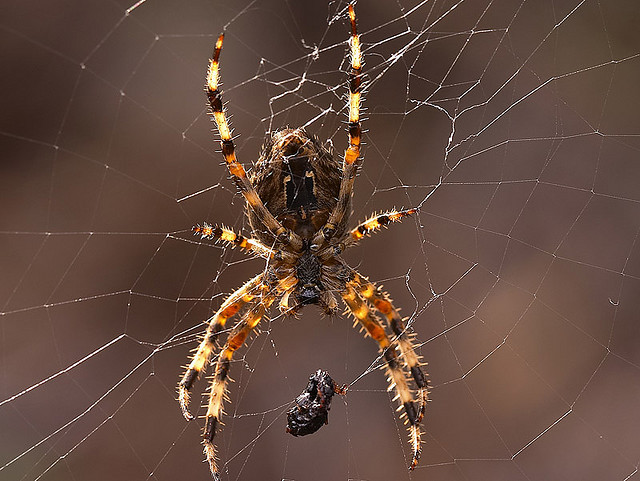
[513,126]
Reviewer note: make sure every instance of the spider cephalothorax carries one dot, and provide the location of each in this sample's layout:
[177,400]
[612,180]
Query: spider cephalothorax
[298,205]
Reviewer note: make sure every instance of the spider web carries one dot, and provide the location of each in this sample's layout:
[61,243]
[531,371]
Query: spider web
[512,125]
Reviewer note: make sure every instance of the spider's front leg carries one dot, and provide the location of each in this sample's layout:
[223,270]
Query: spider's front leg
[216,323]
[235,340]
[382,302]
[397,377]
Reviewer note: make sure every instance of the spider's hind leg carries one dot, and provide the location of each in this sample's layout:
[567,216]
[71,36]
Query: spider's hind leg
[214,95]
[352,159]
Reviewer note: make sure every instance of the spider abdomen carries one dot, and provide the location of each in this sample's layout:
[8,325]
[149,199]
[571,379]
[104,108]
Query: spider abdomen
[299,184]
[298,180]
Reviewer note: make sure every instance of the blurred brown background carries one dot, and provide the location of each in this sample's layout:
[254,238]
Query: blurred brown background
[514,126]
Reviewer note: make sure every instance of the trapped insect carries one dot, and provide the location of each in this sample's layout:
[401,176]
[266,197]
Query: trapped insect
[301,234]
[311,410]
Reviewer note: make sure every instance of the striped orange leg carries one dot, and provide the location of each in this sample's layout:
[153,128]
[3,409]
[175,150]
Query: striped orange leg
[352,154]
[396,376]
[375,222]
[221,233]
[214,95]
[235,340]
[217,322]
[382,302]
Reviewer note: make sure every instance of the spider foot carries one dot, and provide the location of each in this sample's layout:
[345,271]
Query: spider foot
[414,434]
[413,417]
[209,448]
[423,396]
[183,392]
[210,454]
[183,399]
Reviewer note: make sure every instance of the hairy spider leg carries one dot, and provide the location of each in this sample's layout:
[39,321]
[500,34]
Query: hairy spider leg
[221,233]
[235,340]
[352,154]
[383,304]
[396,376]
[216,323]
[214,95]
[375,222]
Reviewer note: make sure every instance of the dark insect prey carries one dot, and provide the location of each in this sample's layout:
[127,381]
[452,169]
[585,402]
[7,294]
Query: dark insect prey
[311,411]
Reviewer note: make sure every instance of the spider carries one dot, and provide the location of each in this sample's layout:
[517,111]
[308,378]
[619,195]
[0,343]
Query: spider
[298,205]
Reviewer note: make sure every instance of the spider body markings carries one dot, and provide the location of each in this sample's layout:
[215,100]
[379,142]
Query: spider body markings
[298,205]
[298,179]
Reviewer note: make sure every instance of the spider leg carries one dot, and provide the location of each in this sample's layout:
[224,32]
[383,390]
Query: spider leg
[382,302]
[216,323]
[214,95]
[221,233]
[397,377]
[235,340]
[352,154]
[375,222]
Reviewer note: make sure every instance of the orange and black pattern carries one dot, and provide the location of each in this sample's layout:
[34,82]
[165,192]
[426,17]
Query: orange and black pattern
[298,206]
